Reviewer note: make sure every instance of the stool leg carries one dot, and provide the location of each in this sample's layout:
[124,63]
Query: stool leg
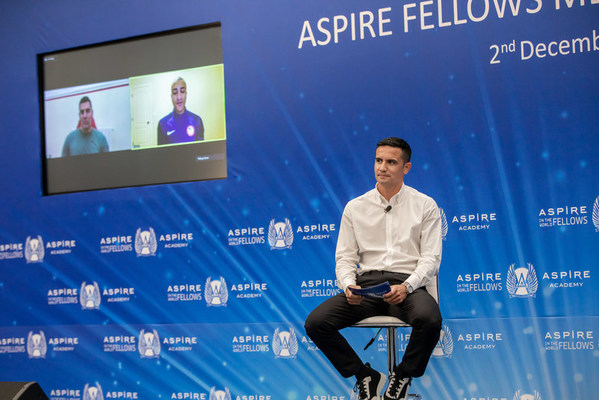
[391,348]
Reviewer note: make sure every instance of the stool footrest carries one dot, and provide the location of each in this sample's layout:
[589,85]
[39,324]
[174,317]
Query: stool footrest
[389,323]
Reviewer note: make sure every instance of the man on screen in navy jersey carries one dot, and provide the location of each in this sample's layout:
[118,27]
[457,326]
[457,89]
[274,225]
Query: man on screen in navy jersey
[85,139]
[181,125]
[391,233]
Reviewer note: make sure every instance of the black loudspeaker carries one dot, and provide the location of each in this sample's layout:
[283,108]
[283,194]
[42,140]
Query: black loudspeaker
[21,391]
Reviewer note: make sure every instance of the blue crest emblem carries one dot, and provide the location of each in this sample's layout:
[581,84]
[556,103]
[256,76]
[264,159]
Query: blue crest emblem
[219,394]
[216,292]
[280,235]
[145,242]
[36,345]
[444,347]
[89,296]
[149,344]
[534,396]
[284,344]
[444,225]
[522,282]
[92,392]
[34,249]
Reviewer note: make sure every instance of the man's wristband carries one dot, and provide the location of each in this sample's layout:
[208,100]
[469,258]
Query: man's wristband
[409,287]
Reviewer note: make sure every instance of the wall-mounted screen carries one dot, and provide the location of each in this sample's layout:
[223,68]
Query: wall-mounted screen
[138,111]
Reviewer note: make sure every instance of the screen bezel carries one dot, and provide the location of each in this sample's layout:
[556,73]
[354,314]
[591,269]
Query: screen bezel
[206,53]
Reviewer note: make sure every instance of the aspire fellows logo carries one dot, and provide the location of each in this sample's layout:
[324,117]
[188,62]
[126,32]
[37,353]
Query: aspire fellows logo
[284,343]
[63,296]
[119,344]
[116,244]
[522,282]
[570,340]
[11,250]
[65,394]
[250,343]
[219,394]
[535,395]
[280,235]
[444,347]
[216,292]
[34,249]
[563,216]
[12,344]
[148,344]
[319,288]
[184,292]
[246,236]
[36,345]
[89,296]
[145,242]
[479,282]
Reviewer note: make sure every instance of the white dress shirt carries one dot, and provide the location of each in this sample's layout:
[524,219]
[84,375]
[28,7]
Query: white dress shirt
[405,239]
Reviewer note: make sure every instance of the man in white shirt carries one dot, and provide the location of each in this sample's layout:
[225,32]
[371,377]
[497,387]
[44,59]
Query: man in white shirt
[391,233]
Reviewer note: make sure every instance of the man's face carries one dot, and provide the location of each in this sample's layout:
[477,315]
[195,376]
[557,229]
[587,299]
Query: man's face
[86,115]
[179,96]
[389,166]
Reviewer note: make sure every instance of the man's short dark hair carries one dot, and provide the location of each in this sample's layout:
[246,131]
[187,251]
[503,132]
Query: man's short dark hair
[406,151]
[85,99]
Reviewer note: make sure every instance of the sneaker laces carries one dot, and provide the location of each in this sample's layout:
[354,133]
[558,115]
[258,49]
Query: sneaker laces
[361,387]
[395,383]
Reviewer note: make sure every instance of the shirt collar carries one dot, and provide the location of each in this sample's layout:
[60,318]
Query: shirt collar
[394,200]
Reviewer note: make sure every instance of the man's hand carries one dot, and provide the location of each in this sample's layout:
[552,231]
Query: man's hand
[397,294]
[353,299]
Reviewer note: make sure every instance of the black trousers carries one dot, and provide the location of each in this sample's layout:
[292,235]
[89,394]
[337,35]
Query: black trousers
[419,309]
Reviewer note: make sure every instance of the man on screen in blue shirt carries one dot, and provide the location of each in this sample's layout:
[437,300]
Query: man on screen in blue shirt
[181,125]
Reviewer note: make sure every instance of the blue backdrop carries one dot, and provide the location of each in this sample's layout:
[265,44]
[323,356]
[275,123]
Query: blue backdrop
[499,101]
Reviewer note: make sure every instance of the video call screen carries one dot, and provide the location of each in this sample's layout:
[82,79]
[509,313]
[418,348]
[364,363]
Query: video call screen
[139,111]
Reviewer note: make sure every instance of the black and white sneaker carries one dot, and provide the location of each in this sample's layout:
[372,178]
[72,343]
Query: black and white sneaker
[398,388]
[369,387]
